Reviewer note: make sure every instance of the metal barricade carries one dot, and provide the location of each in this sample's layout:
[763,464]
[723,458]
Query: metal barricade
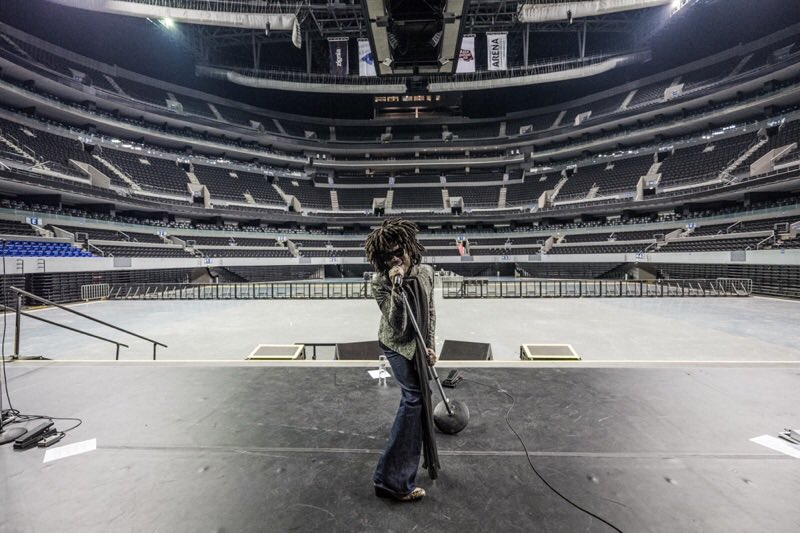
[95,291]
[595,288]
[298,290]
[451,288]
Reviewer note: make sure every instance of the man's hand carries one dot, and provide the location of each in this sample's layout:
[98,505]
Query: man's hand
[431,356]
[396,271]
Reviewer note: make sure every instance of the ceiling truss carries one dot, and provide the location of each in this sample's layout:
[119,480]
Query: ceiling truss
[321,19]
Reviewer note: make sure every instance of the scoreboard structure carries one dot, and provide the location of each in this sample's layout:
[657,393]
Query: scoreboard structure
[416,105]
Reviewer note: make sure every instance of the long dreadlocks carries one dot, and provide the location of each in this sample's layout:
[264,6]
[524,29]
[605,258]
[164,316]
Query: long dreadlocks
[393,232]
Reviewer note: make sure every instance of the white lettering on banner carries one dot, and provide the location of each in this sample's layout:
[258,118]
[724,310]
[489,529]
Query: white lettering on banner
[338,56]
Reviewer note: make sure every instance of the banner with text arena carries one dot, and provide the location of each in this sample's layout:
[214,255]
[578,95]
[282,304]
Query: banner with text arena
[496,50]
[366,63]
[339,65]
[466,57]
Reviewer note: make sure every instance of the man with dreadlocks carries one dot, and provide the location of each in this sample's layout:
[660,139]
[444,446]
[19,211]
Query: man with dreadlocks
[396,255]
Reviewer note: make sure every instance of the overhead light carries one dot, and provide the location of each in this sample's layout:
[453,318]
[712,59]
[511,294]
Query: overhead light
[677,5]
[387,62]
[444,60]
[168,22]
[436,38]
[266,29]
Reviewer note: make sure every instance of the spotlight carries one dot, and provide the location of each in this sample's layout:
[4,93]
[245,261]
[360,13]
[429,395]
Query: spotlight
[436,38]
[266,29]
[168,22]
[569,16]
[677,5]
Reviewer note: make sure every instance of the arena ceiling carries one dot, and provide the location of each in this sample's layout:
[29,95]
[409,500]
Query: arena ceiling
[407,37]
[148,46]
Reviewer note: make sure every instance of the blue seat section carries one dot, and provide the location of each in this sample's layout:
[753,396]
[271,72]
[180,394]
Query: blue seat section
[43,249]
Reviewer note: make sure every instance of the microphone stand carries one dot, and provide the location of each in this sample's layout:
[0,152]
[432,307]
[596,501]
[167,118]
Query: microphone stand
[11,434]
[431,370]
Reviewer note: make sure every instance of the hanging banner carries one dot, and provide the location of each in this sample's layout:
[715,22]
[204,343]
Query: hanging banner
[339,65]
[297,38]
[466,57]
[496,50]
[366,64]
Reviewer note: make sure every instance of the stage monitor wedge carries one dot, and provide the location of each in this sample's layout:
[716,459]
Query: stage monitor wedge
[548,352]
[278,352]
[358,351]
[465,351]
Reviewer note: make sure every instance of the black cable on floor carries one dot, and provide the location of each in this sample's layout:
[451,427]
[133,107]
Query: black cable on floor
[530,461]
[17,417]
[29,418]
[3,344]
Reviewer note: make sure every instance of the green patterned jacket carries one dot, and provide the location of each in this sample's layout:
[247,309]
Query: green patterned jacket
[396,332]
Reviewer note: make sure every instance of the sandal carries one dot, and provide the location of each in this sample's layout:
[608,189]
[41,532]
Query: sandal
[416,494]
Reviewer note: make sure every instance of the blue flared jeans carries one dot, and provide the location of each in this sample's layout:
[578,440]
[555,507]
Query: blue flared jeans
[397,467]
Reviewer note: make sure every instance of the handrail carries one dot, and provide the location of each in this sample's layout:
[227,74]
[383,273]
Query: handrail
[729,228]
[48,302]
[46,321]
[765,240]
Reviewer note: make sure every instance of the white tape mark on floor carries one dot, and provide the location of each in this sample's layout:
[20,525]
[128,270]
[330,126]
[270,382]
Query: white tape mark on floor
[69,450]
[779,445]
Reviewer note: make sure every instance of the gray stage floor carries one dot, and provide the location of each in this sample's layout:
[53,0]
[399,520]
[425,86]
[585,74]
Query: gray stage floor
[243,447]
[600,329]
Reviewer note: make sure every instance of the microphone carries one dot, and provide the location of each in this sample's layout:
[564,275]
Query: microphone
[398,280]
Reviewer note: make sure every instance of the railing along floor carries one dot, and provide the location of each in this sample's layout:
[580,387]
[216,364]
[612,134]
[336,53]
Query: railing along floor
[300,290]
[451,288]
[594,288]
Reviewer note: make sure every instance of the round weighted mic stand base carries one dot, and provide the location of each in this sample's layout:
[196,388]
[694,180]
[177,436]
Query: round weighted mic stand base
[452,422]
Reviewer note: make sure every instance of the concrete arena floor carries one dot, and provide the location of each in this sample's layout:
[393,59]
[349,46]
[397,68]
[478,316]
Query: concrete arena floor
[599,329]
